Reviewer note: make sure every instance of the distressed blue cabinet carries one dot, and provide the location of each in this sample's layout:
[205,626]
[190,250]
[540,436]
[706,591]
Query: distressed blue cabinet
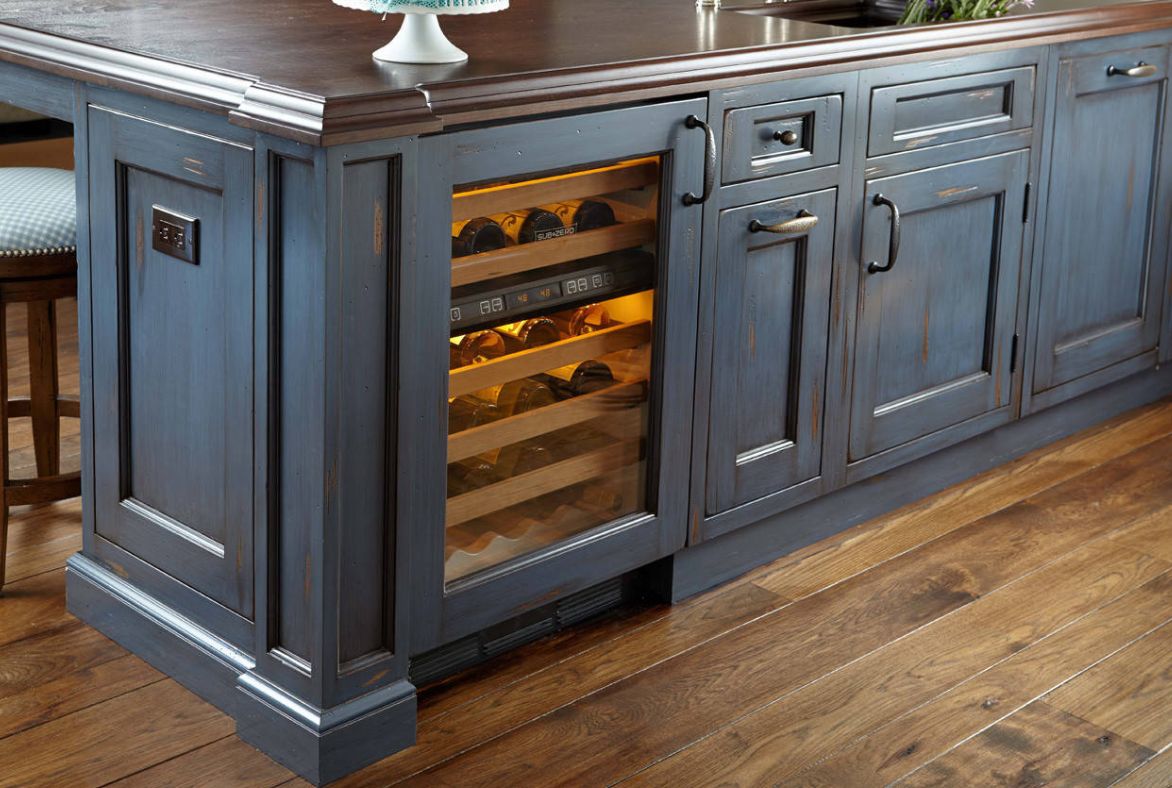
[771,318]
[1102,265]
[173,399]
[935,333]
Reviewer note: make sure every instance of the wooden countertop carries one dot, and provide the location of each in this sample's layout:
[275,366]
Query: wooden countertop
[302,68]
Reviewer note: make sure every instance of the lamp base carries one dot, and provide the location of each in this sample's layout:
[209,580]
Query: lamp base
[420,40]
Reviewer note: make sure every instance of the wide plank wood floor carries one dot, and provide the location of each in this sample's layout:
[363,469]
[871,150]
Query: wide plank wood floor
[1012,630]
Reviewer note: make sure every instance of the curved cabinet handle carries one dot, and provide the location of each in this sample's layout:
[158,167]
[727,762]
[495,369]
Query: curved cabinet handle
[874,267]
[803,223]
[1139,71]
[693,122]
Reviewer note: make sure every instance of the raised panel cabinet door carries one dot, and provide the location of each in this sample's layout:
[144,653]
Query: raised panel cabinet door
[173,353]
[770,335]
[1104,254]
[935,332]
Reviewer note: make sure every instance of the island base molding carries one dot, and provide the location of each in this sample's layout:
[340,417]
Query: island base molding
[319,745]
[324,745]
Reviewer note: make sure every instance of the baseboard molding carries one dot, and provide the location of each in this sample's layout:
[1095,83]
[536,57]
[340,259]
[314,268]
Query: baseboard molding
[719,560]
[319,745]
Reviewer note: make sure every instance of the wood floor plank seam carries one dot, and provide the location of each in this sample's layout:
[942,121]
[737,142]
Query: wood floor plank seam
[168,760]
[1051,559]
[81,709]
[1161,754]
[910,634]
[977,676]
[1038,699]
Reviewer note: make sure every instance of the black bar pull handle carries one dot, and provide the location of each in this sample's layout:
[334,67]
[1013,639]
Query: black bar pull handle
[693,122]
[874,267]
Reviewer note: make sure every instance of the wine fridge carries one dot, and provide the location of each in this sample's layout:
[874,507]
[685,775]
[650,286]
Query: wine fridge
[571,257]
[552,316]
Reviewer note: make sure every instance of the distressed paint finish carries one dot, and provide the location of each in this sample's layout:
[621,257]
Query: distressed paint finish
[1103,263]
[772,315]
[934,337]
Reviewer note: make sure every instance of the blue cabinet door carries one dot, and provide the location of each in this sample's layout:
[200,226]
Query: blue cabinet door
[770,340]
[935,333]
[173,364]
[1100,295]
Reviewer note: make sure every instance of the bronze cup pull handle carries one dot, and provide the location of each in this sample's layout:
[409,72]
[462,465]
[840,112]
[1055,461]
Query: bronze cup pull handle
[693,122]
[1138,71]
[874,267]
[803,223]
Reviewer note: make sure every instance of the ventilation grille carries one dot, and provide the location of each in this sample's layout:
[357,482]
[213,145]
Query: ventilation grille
[534,625]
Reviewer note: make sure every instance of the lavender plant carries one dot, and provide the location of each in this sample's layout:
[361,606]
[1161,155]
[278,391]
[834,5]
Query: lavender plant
[921,11]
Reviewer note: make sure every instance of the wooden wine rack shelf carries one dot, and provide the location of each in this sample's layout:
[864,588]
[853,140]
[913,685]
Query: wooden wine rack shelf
[515,366]
[558,188]
[540,254]
[477,440]
[555,477]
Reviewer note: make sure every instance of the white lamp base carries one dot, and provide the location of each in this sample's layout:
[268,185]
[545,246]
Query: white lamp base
[420,40]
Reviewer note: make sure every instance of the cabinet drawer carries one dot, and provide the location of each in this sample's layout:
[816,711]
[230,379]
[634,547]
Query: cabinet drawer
[1110,71]
[922,114]
[776,139]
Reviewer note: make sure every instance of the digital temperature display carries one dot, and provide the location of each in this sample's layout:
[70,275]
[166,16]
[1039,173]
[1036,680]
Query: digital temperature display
[505,305]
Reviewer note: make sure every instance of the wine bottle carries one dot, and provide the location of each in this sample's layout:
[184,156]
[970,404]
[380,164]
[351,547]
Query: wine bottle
[522,458]
[518,396]
[534,332]
[471,411]
[475,236]
[575,380]
[583,215]
[583,320]
[523,227]
[470,474]
[476,348]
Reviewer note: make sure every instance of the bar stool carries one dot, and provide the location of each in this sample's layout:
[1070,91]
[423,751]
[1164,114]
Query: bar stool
[38,265]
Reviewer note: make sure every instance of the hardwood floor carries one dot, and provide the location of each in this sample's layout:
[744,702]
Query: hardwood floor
[1012,630]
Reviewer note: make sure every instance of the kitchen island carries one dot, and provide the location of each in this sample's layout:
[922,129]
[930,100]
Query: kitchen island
[349,426]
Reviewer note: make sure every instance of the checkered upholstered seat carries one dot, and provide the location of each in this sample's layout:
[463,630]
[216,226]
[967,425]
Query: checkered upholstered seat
[38,212]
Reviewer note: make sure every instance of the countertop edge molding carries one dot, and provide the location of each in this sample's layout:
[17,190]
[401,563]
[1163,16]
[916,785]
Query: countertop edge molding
[430,107]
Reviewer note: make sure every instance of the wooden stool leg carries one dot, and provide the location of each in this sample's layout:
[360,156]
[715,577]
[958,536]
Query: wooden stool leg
[3,439]
[42,355]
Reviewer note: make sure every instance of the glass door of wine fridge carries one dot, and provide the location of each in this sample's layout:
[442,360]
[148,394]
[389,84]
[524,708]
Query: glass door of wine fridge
[553,313]
[571,340]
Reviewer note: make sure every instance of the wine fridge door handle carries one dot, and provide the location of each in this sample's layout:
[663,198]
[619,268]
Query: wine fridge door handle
[801,224]
[1138,71]
[693,122]
[874,267]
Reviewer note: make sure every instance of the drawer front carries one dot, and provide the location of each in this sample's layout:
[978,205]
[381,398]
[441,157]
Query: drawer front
[923,114]
[1118,70]
[777,139]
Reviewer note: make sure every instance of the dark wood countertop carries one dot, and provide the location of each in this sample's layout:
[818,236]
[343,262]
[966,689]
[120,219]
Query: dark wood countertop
[302,68]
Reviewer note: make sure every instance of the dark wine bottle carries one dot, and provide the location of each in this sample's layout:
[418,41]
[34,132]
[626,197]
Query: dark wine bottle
[471,411]
[534,332]
[476,348]
[524,227]
[470,474]
[575,380]
[475,236]
[583,215]
[518,396]
[583,320]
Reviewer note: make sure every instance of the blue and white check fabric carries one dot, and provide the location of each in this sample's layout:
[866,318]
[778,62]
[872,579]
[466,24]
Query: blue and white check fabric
[38,212]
